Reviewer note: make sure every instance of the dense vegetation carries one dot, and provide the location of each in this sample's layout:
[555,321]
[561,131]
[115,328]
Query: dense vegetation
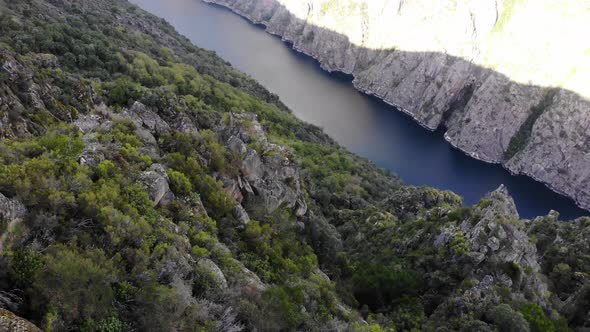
[129,159]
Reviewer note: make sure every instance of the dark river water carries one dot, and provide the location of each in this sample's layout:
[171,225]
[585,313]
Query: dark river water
[361,123]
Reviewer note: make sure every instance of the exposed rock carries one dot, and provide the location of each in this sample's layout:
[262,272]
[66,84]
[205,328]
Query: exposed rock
[233,189]
[493,243]
[176,263]
[12,212]
[246,127]
[275,181]
[269,178]
[155,180]
[89,125]
[15,70]
[20,76]
[11,209]
[479,292]
[10,322]
[184,124]
[145,118]
[501,256]
[45,60]
[559,147]
[149,144]
[194,204]
[242,215]
[213,272]
[500,246]
[250,283]
[445,237]
[236,144]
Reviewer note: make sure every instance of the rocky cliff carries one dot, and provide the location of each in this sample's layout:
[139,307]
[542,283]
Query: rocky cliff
[499,75]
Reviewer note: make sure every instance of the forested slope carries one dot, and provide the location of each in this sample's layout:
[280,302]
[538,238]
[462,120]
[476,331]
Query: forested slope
[145,185]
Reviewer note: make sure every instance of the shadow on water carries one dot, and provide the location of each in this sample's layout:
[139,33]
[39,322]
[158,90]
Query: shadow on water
[363,124]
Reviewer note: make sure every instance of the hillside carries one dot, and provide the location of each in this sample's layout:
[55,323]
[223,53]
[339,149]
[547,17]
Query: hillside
[508,80]
[146,185]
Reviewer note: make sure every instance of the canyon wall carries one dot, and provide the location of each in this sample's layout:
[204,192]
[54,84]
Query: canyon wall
[508,80]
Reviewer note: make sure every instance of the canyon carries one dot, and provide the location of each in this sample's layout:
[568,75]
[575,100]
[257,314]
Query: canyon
[506,87]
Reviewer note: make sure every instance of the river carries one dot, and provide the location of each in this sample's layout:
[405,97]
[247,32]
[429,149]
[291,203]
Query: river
[363,124]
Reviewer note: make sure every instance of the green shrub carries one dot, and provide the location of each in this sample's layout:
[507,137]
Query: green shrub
[24,264]
[179,183]
[379,284]
[287,303]
[506,319]
[538,322]
[78,285]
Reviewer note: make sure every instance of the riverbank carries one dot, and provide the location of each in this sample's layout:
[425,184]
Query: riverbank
[486,143]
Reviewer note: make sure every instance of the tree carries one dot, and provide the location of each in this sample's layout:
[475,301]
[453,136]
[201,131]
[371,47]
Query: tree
[538,322]
[180,184]
[75,285]
[507,319]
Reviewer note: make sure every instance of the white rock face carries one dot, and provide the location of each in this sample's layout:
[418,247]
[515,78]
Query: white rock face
[477,67]
[155,180]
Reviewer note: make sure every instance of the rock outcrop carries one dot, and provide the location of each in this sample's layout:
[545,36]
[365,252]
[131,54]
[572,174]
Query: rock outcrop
[211,271]
[269,177]
[155,181]
[13,323]
[481,69]
[501,254]
[11,213]
[499,242]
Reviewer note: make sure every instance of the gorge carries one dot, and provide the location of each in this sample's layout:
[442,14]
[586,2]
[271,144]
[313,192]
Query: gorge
[146,184]
[510,89]
[364,125]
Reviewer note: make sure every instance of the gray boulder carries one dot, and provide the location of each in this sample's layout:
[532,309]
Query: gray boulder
[11,209]
[11,322]
[269,177]
[212,272]
[12,212]
[155,181]
[90,125]
[242,215]
[145,118]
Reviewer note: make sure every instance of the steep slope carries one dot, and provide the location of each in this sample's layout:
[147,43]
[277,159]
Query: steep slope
[145,185]
[509,86]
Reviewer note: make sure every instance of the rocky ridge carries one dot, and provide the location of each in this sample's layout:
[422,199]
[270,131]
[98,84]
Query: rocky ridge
[464,69]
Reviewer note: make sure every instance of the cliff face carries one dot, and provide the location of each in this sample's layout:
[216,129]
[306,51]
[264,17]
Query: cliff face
[500,76]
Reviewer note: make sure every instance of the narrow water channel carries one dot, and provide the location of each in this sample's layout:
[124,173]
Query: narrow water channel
[361,123]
